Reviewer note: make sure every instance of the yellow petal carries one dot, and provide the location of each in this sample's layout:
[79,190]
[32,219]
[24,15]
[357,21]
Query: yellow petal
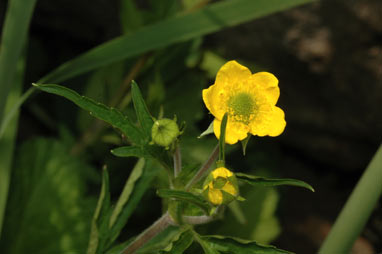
[208,97]
[277,123]
[222,172]
[272,124]
[235,131]
[229,188]
[268,83]
[231,74]
[215,196]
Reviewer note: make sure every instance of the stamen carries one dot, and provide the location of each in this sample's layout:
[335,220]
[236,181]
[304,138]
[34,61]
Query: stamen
[242,107]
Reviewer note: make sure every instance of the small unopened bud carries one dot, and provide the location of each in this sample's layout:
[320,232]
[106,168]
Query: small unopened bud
[164,132]
[220,187]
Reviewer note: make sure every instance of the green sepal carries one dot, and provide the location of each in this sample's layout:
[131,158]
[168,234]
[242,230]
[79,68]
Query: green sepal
[208,131]
[244,143]
[227,197]
[219,182]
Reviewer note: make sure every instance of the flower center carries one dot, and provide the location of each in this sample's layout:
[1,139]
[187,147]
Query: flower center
[241,107]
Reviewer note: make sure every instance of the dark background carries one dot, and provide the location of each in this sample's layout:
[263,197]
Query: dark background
[328,59]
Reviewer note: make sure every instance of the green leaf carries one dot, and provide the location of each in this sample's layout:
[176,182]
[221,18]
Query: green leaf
[13,38]
[179,28]
[148,151]
[127,190]
[110,115]
[47,210]
[240,246]
[207,247]
[143,114]
[161,240]
[149,171]
[103,206]
[130,151]
[130,16]
[185,196]
[180,243]
[262,181]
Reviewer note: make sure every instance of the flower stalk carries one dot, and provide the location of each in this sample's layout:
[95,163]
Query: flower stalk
[161,224]
[204,168]
[177,161]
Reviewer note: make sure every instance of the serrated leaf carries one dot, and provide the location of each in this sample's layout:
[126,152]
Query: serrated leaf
[262,181]
[103,206]
[180,243]
[110,115]
[144,117]
[127,190]
[185,196]
[239,246]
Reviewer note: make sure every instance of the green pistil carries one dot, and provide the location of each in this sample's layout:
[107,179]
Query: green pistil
[241,107]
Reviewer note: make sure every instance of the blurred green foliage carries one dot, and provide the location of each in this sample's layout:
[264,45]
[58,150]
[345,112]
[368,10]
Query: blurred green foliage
[52,181]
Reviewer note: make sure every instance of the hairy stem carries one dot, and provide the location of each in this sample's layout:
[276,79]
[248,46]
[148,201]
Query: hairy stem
[204,168]
[161,224]
[177,161]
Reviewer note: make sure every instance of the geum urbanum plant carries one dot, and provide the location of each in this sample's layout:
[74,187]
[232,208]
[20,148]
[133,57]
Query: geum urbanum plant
[243,104]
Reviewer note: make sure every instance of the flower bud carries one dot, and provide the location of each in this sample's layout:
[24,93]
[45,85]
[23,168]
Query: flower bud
[220,187]
[164,132]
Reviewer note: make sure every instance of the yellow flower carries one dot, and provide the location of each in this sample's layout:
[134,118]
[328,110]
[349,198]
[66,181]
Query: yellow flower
[220,186]
[249,99]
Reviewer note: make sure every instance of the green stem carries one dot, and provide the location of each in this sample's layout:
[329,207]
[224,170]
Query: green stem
[177,161]
[357,209]
[204,168]
[161,224]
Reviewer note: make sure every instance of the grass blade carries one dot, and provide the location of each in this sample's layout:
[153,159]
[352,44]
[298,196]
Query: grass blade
[357,209]
[13,37]
[14,33]
[209,19]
